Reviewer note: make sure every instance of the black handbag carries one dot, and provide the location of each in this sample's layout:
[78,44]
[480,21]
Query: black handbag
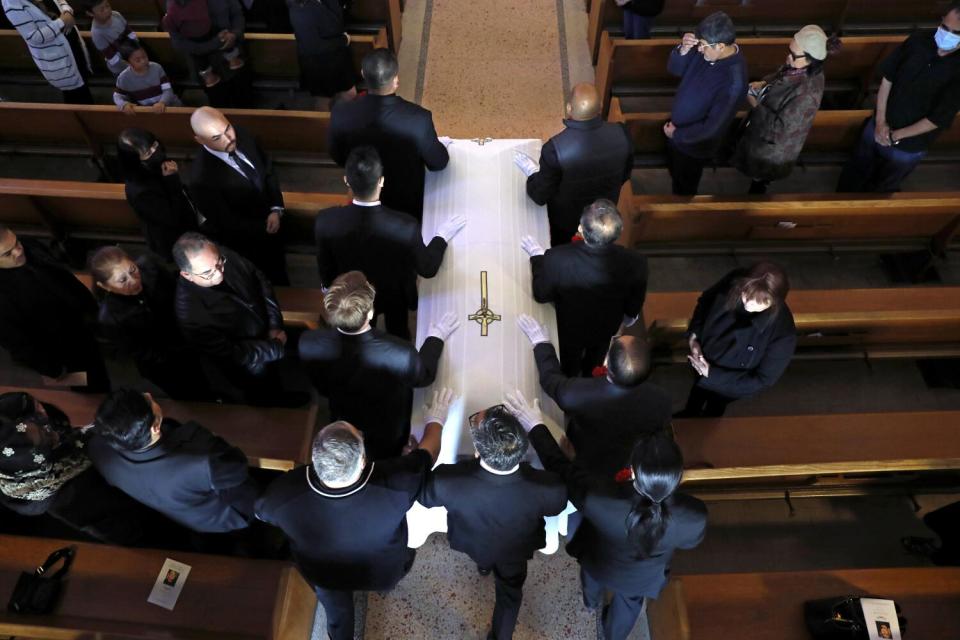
[37,592]
[840,619]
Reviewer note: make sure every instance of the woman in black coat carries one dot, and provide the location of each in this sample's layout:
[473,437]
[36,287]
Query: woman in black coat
[741,336]
[136,316]
[631,526]
[323,49]
[154,190]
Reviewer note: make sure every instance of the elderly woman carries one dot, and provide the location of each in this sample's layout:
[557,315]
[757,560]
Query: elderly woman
[784,105]
[741,337]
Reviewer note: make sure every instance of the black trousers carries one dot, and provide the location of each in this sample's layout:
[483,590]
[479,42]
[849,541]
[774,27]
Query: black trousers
[703,403]
[396,318]
[338,605]
[578,358]
[945,522]
[80,95]
[509,577]
[685,171]
[84,355]
[620,615]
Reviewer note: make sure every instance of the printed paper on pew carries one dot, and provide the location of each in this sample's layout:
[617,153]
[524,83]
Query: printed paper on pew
[169,584]
[881,617]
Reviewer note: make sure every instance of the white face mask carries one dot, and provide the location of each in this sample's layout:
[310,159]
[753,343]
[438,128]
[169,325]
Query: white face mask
[946,41]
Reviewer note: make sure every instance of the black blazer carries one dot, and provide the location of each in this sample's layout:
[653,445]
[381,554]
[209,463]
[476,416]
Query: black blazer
[605,419]
[593,288]
[402,133]
[495,518]
[747,352]
[385,245]
[354,538]
[164,210]
[369,379]
[190,475]
[230,322]
[600,543]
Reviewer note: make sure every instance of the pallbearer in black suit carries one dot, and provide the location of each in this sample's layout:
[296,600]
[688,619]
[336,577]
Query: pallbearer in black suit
[629,534]
[402,133]
[495,508]
[236,190]
[386,245]
[368,375]
[346,515]
[606,413]
[589,159]
[595,285]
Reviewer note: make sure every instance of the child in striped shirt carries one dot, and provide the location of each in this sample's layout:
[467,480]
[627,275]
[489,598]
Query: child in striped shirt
[109,31]
[143,83]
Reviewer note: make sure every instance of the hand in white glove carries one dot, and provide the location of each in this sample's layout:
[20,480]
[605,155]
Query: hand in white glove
[534,331]
[528,414]
[446,141]
[443,327]
[531,246]
[439,406]
[451,226]
[526,163]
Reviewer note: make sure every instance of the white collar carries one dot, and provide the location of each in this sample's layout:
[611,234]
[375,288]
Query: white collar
[223,155]
[496,472]
[361,485]
[359,203]
[354,333]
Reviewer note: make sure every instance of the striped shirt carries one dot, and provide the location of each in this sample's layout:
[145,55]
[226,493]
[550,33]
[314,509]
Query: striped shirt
[145,90]
[47,43]
[108,38]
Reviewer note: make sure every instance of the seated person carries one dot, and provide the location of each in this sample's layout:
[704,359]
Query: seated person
[346,516]
[226,309]
[209,32]
[44,469]
[594,285]
[495,508]
[143,83]
[109,31]
[368,375]
[182,470]
[606,414]
[136,317]
[386,245]
[47,316]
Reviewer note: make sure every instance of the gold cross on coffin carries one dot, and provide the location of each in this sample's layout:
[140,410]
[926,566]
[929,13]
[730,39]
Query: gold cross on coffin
[483,316]
[481,141]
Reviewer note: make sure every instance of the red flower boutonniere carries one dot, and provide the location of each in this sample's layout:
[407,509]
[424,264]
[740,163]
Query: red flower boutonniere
[599,372]
[624,475]
[576,238]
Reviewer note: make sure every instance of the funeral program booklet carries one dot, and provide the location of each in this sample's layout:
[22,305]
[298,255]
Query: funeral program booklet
[169,584]
[881,617]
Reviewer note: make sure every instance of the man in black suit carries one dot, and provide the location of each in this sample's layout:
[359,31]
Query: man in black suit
[402,133]
[495,508]
[227,310]
[182,470]
[595,285]
[589,159]
[608,413]
[368,375]
[346,516]
[47,316]
[386,245]
[236,190]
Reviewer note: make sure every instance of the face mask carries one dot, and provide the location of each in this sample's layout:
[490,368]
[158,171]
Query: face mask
[154,162]
[946,40]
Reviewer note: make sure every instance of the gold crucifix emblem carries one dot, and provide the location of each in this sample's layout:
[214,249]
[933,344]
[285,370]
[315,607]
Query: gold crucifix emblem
[483,316]
[481,141]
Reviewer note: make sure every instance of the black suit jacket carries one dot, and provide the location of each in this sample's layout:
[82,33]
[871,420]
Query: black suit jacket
[495,518]
[190,475]
[600,542]
[605,419]
[385,245]
[369,379]
[402,133]
[592,288]
[354,538]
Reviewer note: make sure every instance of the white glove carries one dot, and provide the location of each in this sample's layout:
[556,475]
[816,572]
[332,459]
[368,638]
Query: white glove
[629,321]
[443,327]
[528,414]
[531,246]
[439,406]
[446,141]
[451,226]
[535,332]
[526,163]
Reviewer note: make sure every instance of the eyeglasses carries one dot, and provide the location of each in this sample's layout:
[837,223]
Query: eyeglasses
[703,44]
[955,32]
[474,419]
[208,275]
[797,56]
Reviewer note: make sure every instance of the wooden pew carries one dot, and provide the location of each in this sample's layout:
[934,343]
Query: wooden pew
[105,595]
[878,323]
[272,438]
[632,67]
[770,605]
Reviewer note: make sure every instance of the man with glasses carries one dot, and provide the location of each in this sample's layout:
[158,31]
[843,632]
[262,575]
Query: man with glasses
[712,86]
[226,309]
[918,98]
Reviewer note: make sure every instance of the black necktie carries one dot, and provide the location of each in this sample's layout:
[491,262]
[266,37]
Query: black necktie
[247,169]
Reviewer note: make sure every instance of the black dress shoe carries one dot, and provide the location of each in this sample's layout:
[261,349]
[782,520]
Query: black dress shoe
[482,571]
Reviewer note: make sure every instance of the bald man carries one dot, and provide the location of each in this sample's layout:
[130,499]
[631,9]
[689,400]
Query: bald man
[234,187]
[589,159]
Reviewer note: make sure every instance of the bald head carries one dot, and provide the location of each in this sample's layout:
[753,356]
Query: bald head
[212,129]
[584,102]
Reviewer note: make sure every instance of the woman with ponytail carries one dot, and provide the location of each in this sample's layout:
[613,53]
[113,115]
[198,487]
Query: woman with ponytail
[631,525]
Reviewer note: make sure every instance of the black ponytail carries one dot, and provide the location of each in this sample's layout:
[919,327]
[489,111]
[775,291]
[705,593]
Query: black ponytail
[657,468]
